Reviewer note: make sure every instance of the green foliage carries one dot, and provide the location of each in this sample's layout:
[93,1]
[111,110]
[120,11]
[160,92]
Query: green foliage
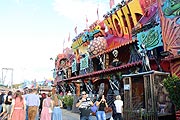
[172,85]
[68,100]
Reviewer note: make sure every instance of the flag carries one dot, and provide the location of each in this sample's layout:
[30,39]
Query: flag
[111,3]
[75,30]
[98,13]
[69,37]
[86,22]
[86,19]
[63,44]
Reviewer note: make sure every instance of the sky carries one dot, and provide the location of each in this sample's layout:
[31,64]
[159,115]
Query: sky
[33,31]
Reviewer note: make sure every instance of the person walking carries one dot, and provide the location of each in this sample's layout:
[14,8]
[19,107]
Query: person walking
[119,108]
[46,108]
[33,103]
[18,108]
[43,96]
[3,106]
[84,104]
[102,104]
[8,101]
[26,93]
[57,112]
[1,101]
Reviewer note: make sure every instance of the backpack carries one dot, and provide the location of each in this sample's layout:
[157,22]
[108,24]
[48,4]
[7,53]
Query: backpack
[1,99]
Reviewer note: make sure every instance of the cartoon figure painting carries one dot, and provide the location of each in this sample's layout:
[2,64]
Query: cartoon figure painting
[145,59]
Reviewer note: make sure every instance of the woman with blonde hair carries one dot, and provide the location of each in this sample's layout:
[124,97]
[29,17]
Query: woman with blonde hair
[18,109]
[57,112]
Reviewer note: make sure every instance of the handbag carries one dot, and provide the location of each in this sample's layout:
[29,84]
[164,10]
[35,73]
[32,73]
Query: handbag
[107,109]
[50,110]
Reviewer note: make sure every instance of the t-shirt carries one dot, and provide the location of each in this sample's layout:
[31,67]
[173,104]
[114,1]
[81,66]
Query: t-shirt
[102,105]
[8,100]
[85,108]
[118,104]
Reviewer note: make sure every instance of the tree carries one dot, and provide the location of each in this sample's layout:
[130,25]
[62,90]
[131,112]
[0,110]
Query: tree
[172,85]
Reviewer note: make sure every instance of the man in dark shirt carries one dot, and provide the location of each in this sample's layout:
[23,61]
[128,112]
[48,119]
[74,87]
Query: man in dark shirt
[84,105]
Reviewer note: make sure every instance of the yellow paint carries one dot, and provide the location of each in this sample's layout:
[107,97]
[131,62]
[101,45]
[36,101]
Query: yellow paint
[135,8]
[117,25]
[127,27]
[102,32]
[110,26]
[121,23]
[77,43]
[83,49]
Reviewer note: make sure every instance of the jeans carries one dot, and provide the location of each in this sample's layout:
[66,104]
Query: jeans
[26,112]
[1,108]
[100,115]
[37,116]
[85,117]
[118,116]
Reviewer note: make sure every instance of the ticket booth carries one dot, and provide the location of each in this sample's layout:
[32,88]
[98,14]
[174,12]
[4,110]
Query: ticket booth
[145,97]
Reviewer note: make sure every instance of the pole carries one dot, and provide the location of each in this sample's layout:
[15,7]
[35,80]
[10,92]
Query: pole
[2,77]
[11,82]
[11,78]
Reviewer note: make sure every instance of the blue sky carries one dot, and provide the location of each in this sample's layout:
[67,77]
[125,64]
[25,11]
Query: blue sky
[32,31]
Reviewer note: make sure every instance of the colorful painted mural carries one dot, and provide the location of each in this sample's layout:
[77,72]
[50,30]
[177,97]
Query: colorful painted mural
[135,37]
[151,38]
[129,25]
[170,22]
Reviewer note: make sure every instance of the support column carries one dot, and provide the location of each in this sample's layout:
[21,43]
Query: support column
[77,89]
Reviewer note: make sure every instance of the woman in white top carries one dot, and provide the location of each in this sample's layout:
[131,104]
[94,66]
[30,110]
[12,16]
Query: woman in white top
[119,108]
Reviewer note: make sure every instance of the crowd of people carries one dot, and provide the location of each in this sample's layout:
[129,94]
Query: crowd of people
[29,105]
[99,105]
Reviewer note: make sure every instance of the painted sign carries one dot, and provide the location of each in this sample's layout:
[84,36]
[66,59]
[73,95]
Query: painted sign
[151,38]
[74,67]
[78,42]
[84,62]
[123,20]
[87,36]
[171,9]
[127,87]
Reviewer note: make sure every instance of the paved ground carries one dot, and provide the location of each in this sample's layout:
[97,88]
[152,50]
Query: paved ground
[68,115]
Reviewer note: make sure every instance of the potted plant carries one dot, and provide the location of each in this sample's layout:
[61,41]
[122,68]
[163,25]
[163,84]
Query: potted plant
[68,101]
[172,85]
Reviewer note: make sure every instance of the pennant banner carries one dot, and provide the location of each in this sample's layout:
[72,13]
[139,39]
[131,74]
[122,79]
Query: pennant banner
[75,30]
[69,37]
[98,13]
[111,3]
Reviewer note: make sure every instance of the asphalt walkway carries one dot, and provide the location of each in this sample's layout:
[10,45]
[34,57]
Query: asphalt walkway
[68,115]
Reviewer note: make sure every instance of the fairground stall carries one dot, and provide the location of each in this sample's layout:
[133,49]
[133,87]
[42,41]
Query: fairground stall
[138,41]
